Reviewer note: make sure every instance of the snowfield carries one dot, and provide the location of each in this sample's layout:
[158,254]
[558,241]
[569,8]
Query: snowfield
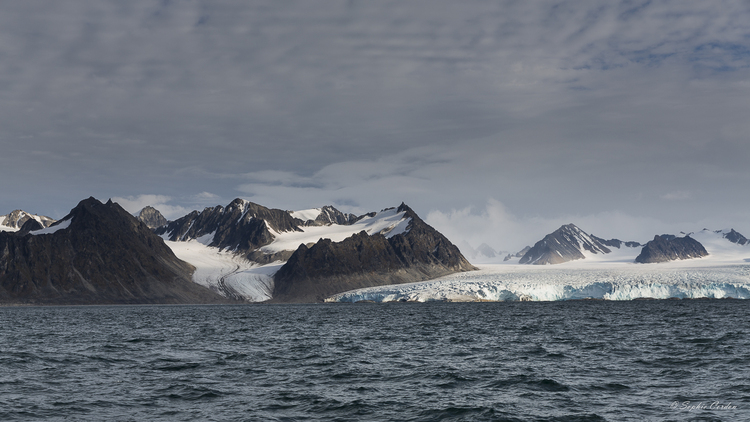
[53,229]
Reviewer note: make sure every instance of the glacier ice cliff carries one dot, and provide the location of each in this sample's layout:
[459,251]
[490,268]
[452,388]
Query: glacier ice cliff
[500,284]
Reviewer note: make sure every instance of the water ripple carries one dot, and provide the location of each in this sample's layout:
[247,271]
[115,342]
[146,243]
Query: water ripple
[561,361]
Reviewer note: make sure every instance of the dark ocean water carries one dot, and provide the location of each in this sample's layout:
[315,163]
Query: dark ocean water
[559,361]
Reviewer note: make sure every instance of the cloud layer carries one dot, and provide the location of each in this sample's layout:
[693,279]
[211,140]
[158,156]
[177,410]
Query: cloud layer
[581,109]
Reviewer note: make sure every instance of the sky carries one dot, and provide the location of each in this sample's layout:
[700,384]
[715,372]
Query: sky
[496,121]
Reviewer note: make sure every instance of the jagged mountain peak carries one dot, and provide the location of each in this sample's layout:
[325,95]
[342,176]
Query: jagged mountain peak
[91,214]
[242,226]
[565,244]
[245,227]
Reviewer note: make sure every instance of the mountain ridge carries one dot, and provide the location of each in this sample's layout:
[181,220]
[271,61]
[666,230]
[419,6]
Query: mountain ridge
[354,245]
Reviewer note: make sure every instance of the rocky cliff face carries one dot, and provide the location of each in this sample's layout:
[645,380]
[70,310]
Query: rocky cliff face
[564,244]
[363,260]
[663,249]
[97,254]
[151,217]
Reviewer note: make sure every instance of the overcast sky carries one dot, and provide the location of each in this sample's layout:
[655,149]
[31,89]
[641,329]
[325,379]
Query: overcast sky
[497,121]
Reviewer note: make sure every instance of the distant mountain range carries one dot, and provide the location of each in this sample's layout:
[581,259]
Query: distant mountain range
[570,243]
[245,252]
[101,254]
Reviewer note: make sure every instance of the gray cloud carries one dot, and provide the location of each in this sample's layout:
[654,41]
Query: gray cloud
[586,108]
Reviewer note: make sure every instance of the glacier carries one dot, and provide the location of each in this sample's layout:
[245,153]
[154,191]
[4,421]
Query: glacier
[225,272]
[511,283]
[724,273]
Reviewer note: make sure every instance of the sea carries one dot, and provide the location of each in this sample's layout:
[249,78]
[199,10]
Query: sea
[578,360]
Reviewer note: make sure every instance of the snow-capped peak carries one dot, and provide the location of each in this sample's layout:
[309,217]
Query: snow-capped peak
[564,244]
[13,221]
[306,215]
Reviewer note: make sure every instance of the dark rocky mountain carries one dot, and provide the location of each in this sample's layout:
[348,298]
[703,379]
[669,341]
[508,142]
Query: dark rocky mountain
[97,254]
[568,243]
[326,268]
[241,226]
[734,237]
[564,244]
[151,217]
[17,218]
[663,249]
